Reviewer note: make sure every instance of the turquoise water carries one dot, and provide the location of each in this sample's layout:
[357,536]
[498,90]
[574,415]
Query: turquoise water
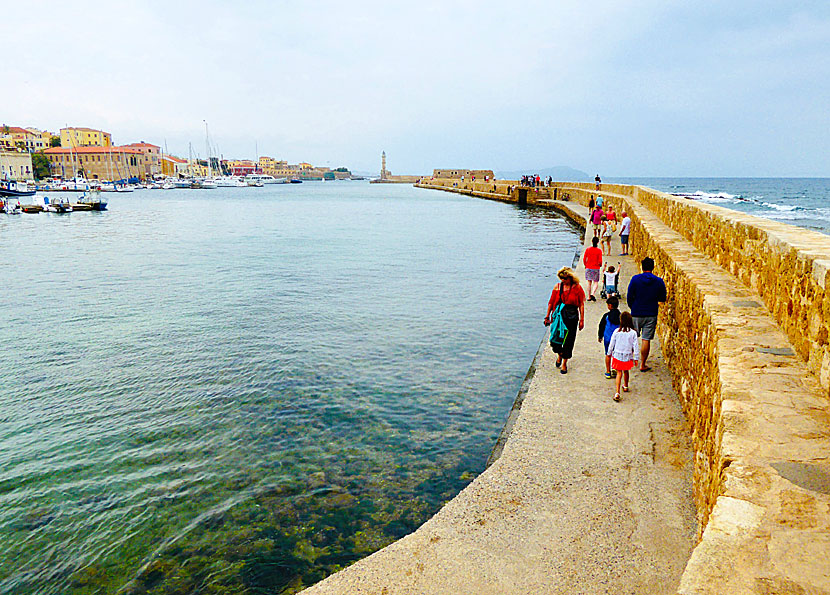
[804,202]
[244,390]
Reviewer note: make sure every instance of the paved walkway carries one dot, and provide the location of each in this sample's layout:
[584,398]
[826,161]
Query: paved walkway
[588,496]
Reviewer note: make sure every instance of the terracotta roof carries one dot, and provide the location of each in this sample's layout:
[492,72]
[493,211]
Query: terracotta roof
[16,130]
[142,144]
[61,150]
[174,159]
[82,128]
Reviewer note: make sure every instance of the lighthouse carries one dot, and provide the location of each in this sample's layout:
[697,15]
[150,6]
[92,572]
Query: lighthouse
[383,173]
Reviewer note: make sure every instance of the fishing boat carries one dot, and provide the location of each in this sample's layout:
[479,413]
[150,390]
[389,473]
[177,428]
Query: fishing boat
[12,189]
[92,200]
[31,209]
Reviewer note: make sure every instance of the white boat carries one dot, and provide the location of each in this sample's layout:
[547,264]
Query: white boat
[9,207]
[265,179]
[229,182]
[76,184]
[57,206]
[208,183]
[113,187]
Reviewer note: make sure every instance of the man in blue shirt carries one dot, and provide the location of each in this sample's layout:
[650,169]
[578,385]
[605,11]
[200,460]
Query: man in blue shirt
[645,292]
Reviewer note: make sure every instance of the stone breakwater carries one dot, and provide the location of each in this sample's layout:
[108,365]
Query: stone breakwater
[745,335]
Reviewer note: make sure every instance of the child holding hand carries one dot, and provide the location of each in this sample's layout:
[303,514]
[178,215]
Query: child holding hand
[609,322]
[624,351]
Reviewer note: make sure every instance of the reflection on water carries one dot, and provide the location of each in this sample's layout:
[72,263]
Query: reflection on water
[244,390]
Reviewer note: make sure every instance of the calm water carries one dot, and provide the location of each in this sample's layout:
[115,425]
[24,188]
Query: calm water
[243,390]
[804,202]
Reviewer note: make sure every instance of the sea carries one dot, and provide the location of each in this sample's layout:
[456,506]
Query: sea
[244,390]
[804,202]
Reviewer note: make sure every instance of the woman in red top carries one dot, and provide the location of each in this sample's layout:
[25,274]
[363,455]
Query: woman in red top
[592,259]
[570,293]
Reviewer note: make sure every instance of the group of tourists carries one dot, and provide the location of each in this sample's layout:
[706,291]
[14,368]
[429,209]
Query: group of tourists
[604,224]
[618,331]
[535,181]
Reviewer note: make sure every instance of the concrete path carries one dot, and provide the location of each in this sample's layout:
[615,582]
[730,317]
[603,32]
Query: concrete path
[588,496]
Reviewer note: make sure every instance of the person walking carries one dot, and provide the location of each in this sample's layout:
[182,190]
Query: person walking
[623,351]
[592,259]
[609,322]
[625,231]
[598,181]
[596,220]
[645,292]
[569,293]
[606,234]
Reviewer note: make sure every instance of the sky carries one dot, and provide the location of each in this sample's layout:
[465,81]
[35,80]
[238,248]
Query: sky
[623,88]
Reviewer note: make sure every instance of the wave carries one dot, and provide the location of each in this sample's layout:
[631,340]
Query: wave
[709,196]
[785,208]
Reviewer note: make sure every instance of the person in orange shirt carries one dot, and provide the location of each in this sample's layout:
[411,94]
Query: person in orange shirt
[592,259]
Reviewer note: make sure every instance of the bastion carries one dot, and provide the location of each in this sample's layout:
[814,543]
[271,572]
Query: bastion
[744,341]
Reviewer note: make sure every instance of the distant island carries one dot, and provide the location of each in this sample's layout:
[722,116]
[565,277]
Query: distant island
[561,173]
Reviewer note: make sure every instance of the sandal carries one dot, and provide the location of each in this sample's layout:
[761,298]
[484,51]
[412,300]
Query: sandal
[625,389]
[645,368]
[563,371]
[558,362]
[617,397]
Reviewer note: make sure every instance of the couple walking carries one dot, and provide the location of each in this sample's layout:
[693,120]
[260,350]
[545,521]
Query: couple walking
[645,292]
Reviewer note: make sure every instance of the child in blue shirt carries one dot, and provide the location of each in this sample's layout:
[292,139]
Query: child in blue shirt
[609,322]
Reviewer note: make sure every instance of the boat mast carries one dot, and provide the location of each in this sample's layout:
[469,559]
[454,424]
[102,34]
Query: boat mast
[207,146]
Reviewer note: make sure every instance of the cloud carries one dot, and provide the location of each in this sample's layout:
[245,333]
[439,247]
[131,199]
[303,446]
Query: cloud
[638,87]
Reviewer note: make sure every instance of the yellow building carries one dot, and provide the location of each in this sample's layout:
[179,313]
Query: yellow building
[266,164]
[85,137]
[14,138]
[173,166]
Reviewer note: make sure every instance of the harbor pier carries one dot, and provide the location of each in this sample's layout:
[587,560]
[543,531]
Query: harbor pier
[711,477]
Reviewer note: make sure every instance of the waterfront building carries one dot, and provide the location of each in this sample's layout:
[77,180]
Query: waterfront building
[172,166]
[85,137]
[152,157]
[240,167]
[268,164]
[16,165]
[467,174]
[98,163]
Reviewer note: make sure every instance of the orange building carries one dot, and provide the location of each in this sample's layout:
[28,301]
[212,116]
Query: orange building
[98,163]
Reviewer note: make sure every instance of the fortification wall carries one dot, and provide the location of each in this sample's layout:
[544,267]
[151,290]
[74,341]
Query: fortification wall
[753,381]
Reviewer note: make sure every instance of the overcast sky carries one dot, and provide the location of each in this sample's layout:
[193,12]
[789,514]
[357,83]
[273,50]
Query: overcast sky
[624,88]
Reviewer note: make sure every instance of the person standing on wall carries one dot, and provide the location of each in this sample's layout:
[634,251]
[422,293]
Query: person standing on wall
[570,293]
[645,292]
[592,259]
[598,181]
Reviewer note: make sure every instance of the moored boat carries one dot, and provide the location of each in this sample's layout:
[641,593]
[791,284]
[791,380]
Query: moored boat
[8,207]
[9,188]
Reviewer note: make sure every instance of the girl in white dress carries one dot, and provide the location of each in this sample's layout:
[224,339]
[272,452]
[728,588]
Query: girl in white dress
[624,351]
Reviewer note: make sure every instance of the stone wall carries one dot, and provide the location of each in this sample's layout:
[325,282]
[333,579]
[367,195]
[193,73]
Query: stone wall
[787,266]
[758,413]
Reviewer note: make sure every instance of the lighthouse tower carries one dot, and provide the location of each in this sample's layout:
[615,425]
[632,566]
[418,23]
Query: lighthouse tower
[383,173]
